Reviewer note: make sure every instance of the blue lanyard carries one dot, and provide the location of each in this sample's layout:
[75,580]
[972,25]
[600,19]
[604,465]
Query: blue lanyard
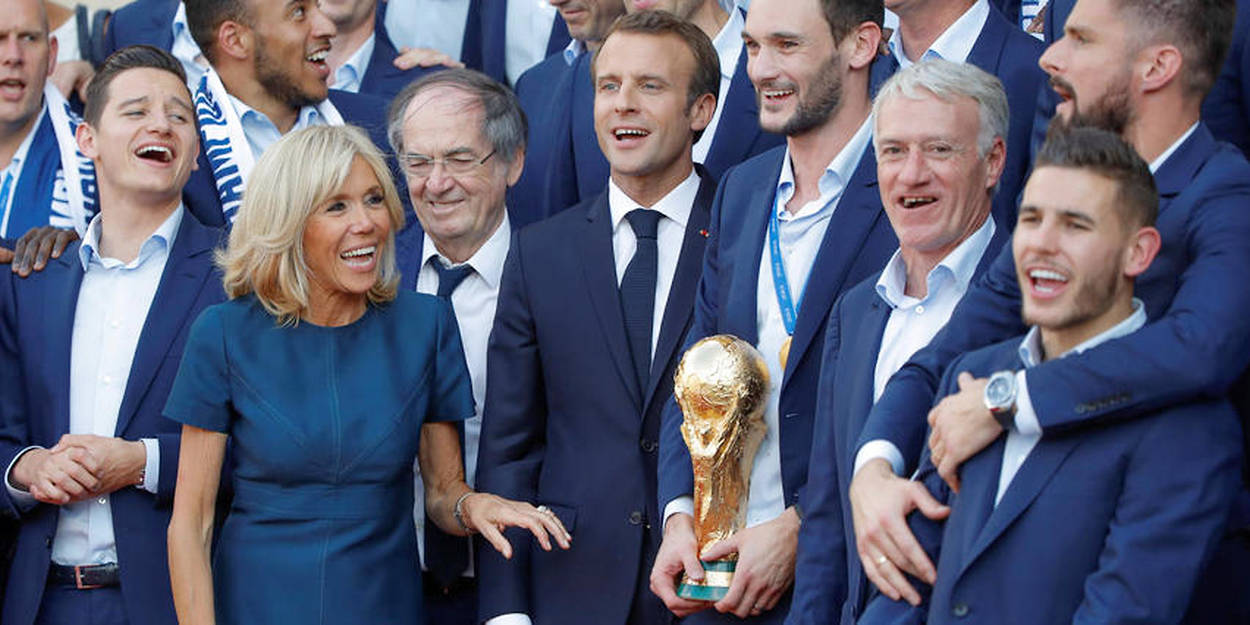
[789,308]
[5,189]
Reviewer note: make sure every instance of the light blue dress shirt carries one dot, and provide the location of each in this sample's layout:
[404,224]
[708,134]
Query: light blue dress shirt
[954,44]
[437,24]
[351,73]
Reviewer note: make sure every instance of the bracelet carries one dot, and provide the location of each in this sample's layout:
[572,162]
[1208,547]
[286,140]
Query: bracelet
[459,514]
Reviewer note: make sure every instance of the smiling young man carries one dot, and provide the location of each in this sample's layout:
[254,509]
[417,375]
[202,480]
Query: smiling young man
[1134,506]
[792,228]
[593,310]
[268,76]
[1140,69]
[940,138]
[90,347]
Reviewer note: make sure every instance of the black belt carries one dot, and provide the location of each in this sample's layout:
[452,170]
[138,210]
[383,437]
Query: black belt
[457,586]
[85,576]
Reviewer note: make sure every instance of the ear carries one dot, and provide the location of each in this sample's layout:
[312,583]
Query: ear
[864,43]
[995,162]
[234,40]
[85,136]
[52,48]
[1159,66]
[517,166]
[702,111]
[1143,246]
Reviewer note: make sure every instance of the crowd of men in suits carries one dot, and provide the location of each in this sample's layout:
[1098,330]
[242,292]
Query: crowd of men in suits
[1006,366]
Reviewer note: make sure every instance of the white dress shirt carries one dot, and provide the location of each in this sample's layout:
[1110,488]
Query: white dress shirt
[800,236]
[437,24]
[186,50]
[113,304]
[262,133]
[529,24]
[954,44]
[474,304]
[914,322]
[728,44]
[1020,444]
[670,232]
[352,72]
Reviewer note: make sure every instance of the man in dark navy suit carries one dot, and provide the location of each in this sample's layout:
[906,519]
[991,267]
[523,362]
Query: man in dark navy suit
[791,229]
[89,348]
[974,31]
[1134,507]
[734,134]
[593,311]
[268,76]
[362,59]
[938,169]
[1118,67]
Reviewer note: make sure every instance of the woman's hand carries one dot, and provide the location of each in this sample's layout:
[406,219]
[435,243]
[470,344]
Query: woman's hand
[490,514]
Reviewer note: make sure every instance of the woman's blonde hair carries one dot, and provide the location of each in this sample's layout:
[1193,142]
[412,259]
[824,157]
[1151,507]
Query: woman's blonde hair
[265,254]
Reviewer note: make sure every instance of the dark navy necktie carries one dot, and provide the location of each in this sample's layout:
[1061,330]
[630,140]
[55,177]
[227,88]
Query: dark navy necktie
[446,556]
[638,291]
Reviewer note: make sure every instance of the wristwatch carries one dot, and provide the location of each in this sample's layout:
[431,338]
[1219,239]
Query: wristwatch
[1000,398]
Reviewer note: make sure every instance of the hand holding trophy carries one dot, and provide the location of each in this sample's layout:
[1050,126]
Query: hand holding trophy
[721,385]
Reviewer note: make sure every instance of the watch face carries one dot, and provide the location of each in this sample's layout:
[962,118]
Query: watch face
[998,392]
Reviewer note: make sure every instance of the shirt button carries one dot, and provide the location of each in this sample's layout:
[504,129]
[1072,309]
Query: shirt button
[102,501]
[635,518]
[960,610]
[107,379]
[920,310]
[115,324]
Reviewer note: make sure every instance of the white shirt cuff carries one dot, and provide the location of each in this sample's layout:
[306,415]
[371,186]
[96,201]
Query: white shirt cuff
[152,465]
[1026,418]
[879,448]
[23,499]
[683,504]
[515,618]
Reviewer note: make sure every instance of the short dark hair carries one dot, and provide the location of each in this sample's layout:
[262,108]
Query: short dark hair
[1105,154]
[844,16]
[204,17]
[706,77]
[1201,29]
[130,57]
[503,122]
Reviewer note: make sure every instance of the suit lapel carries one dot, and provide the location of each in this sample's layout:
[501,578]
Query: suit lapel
[857,211]
[600,269]
[680,306]
[742,298]
[59,306]
[185,273]
[988,50]
[863,345]
[739,123]
[1028,482]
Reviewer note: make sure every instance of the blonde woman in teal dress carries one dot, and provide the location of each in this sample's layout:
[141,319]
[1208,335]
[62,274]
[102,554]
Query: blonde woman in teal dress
[326,381]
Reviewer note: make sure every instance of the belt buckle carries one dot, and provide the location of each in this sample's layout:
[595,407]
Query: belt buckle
[78,575]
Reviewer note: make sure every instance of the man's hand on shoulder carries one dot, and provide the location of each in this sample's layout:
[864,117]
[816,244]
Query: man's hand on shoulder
[960,426]
[32,251]
[423,57]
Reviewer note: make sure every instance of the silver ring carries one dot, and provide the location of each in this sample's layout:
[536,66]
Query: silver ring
[881,560]
[544,509]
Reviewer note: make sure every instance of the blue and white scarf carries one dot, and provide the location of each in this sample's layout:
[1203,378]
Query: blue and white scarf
[229,154]
[79,203]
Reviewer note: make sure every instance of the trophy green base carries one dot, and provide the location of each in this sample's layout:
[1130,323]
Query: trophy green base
[717,576]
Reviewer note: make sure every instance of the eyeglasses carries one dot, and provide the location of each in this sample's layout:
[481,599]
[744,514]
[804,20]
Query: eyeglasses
[457,164]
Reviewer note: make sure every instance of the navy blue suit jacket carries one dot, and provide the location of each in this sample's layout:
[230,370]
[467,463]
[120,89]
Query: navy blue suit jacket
[738,135]
[382,79]
[1010,54]
[857,243]
[545,92]
[1114,523]
[489,55]
[828,564]
[368,112]
[36,326]
[566,424]
[1227,107]
[1194,294]
[148,22]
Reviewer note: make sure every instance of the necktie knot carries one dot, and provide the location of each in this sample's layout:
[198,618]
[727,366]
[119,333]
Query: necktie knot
[450,277]
[645,222]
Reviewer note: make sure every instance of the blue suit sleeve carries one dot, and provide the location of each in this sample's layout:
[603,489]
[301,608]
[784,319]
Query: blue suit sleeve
[513,441]
[988,313]
[452,398]
[200,395]
[676,472]
[1178,488]
[820,583]
[14,432]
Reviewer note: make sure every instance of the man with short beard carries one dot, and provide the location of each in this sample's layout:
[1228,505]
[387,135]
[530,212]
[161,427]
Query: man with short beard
[267,77]
[1142,69]
[791,229]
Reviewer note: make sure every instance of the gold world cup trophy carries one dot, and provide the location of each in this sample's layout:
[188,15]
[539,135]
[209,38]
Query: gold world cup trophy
[721,386]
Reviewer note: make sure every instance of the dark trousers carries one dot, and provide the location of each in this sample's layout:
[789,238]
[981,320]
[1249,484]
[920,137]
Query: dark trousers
[454,606]
[66,605]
